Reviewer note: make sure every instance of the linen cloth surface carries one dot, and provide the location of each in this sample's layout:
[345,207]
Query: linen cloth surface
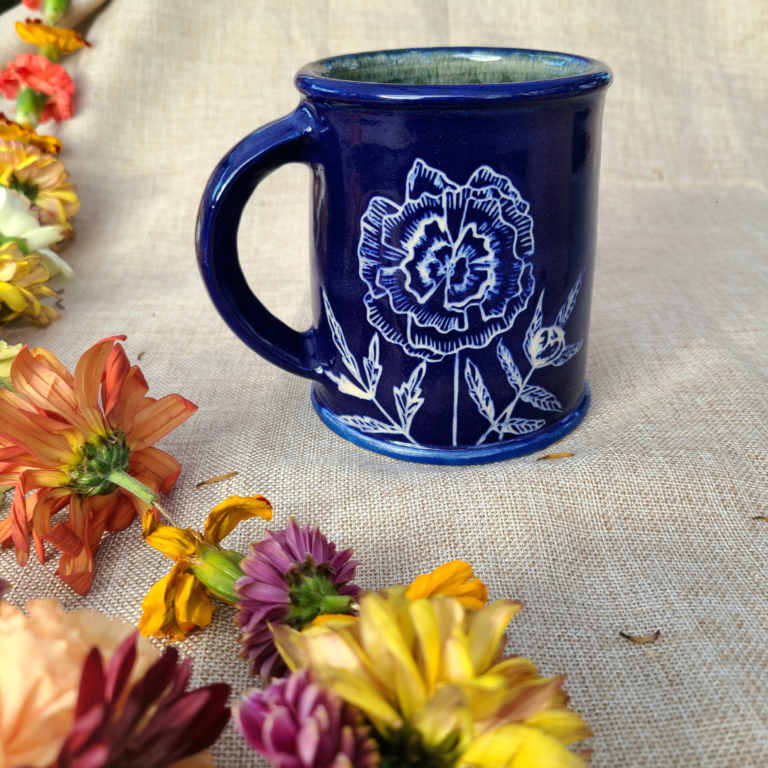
[649,526]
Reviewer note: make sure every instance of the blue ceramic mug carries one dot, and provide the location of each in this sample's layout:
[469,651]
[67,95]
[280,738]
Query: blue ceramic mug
[452,254]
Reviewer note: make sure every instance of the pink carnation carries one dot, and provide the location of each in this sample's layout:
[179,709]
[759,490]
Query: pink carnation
[40,74]
[33,5]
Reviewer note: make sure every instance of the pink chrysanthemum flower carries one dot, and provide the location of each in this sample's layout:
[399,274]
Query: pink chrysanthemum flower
[296,723]
[290,577]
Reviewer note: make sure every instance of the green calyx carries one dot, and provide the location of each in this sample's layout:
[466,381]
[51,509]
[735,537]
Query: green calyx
[406,749]
[313,593]
[25,188]
[29,106]
[91,477]
[218,569]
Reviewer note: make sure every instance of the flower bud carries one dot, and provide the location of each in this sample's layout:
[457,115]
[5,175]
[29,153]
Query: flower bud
[546,346]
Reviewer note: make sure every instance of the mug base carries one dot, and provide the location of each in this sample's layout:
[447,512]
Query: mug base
[480,454]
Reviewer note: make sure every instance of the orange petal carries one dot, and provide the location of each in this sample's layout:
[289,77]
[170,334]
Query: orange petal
[455,579]
[122,515]
[158,419]
[225,517]
[45,388]
[157,463]
[133,391]
[19,426]
[52,363]
[100,509]
[76,570]
[89,372]
[193,607]
[117,369]
[20,522]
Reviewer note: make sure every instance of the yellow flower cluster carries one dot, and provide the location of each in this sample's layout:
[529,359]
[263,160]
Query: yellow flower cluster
[23,281]
[42,178]
[430,676]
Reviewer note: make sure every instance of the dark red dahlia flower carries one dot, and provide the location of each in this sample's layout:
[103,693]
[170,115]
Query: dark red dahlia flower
[290,577]
[152,724]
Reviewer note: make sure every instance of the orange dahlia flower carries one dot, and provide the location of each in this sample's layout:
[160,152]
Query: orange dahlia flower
[41,76]
[59,446]
[42,179]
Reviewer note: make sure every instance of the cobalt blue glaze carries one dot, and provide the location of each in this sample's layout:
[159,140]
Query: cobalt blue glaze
[452,252]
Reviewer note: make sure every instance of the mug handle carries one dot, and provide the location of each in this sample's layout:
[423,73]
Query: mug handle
[228,190]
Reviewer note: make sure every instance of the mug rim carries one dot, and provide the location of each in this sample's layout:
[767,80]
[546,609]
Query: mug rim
[314,81]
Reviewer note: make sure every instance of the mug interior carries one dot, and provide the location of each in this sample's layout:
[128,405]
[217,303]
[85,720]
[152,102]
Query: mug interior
[441,67]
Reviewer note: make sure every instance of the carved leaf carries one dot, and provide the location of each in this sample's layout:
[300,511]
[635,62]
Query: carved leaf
[371,365]
[520,426]
[350,388]
[540,398]
[478,391]
[570,303]
[408,397]
[508,364]
[568,353]
[340,341]
[369,425]
[534,327]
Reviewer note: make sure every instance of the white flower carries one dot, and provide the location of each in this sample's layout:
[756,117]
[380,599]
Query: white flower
[18,223]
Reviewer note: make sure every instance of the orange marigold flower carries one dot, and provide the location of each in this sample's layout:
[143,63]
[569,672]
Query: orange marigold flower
[52,40]
[42,179]
[455,579]
[63,447]
[13,131]
[39,74]
[180,601]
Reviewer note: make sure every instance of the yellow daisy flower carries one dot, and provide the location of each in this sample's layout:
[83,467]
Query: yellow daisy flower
[430,676]
[22,284]
[52,41]
[42,179]
[13,131]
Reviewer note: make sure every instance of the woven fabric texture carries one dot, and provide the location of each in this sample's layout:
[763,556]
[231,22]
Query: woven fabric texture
[649,526]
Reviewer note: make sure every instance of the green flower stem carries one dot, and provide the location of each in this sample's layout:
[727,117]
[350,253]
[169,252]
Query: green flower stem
[29,106]
[137,488]
[54,10]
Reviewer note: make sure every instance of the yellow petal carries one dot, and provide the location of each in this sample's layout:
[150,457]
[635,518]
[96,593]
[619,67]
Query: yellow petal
[518,746]
[486,632]
[225,516]
[455,579]
[159,616]
[440,716]
[173,542]
[334,620]
[290,646]
[193,608]
[13,297]
[428,639]
[564,724]
[61,40]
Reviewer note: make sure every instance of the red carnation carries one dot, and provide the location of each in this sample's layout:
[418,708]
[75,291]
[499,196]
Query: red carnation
[42,75]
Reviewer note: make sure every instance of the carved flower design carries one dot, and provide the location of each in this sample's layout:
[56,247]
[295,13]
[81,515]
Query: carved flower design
[447,269]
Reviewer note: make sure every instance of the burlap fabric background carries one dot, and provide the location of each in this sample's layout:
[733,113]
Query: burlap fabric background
[648,527]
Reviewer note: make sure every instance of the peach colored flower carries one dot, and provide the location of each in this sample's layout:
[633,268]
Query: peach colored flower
[42,660]
[42,179]
[41,75]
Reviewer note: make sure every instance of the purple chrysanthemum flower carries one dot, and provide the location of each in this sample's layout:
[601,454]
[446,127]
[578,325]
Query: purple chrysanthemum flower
[291,577]
[296,724]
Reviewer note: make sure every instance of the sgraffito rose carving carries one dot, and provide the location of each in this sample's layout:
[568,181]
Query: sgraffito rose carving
[446,270]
